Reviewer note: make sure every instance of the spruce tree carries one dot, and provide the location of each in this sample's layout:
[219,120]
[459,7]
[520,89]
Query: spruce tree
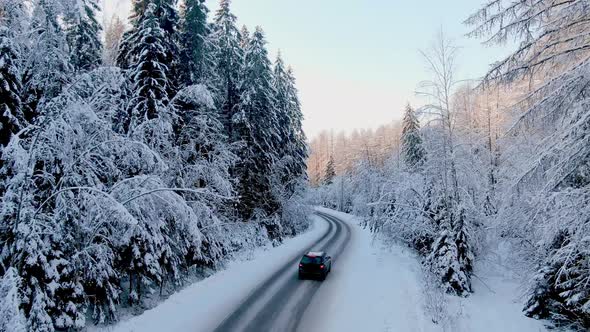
[83,33]
[229,56]
[330,172]
[150,74]
[168,20]
[244,37]
[11,117]
[413,152]
[292,149]
[451,256]
[257,126]
[300,151]
[283,107]
[197,62]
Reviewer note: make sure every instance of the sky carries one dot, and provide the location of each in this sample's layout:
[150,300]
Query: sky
[357,62]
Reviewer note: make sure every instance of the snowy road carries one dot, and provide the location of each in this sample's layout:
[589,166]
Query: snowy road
[279,303]
[372,287]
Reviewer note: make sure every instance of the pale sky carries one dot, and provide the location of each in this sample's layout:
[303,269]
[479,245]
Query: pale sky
[356,61]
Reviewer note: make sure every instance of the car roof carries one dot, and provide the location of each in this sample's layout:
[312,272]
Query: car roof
[315,254]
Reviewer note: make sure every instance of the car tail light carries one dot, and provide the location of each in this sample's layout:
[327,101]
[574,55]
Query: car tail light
[300,265]
[322,266]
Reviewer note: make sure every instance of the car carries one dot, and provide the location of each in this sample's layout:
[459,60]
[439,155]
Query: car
[315,264]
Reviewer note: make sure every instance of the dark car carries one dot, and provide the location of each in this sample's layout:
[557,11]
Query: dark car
[315,265]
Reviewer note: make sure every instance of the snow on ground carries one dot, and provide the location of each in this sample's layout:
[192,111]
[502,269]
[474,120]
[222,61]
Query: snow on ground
[204,304]
[371,288]
[379,288]
[496,303]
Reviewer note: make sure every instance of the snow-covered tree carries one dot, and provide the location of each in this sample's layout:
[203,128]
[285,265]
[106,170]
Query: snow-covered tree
[452,253]
[166,14]
[12,317]
[203,162]
[113,185]
[412,149]
[451,257]
[244,37]
[229,57]
[83,34]
[300,150]
[112,40]
[197,62]
[11,112]
[206,155]
[292,149]
[330,171]
[553,53]
[256,125]
[47,68]
[150,72]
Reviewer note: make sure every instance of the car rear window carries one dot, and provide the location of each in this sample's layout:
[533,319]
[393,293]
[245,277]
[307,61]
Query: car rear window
[311,260]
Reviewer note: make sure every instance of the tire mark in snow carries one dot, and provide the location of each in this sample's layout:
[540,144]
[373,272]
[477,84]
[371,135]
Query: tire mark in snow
[265,319]
[287,306]
[254,301]
[308,296]
[280,301]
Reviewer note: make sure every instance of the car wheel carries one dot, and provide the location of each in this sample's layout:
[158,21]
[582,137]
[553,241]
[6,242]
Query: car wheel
[323,276]
[300,276]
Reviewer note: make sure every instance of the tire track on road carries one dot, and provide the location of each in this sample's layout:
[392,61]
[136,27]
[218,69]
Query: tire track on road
[279,303]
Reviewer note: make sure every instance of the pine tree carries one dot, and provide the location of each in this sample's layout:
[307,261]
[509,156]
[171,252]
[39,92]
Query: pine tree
[330,172]
[150,74]
[11,117]
[83,34]
[257,127]
[229,56]
[412,151]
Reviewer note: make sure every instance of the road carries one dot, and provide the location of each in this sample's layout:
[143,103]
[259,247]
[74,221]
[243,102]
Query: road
[280,302]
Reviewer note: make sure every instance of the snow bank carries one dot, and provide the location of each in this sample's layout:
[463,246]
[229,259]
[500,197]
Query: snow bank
[203,305]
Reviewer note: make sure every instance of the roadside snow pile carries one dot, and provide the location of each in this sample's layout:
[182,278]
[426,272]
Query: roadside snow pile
[203,305]
[384,288]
